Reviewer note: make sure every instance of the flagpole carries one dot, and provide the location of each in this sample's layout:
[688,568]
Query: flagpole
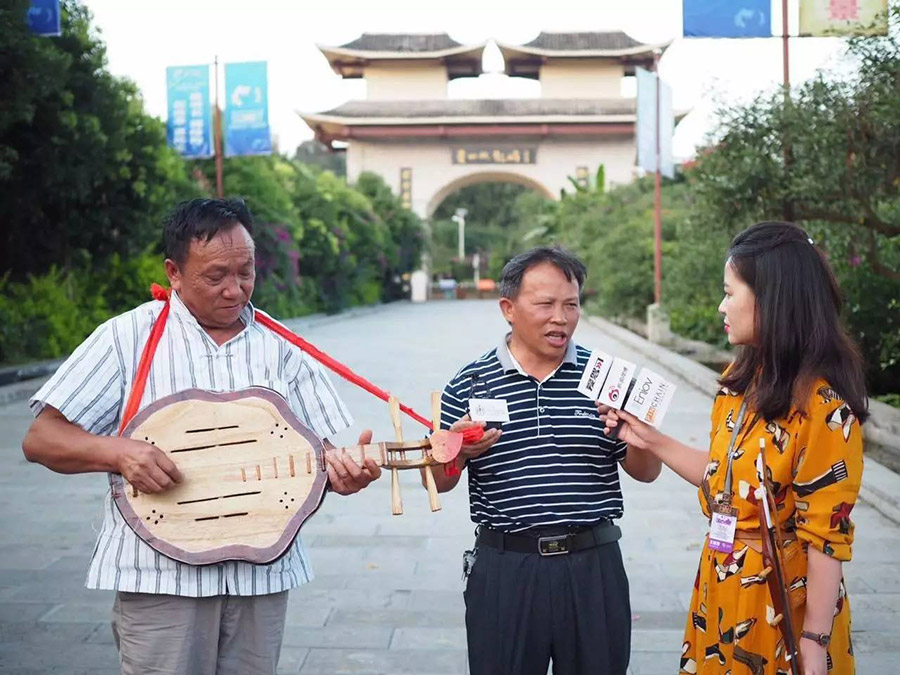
[788,207]
[785,51]
[657,196]
[217,131]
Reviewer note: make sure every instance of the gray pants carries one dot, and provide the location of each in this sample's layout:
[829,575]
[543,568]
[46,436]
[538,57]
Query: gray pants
[220,635]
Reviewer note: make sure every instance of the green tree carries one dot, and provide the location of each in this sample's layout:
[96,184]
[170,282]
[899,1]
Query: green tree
[499,215]
[84,172]
[406,235]
[314,153]
[613,233]
[343,245]
[829,158]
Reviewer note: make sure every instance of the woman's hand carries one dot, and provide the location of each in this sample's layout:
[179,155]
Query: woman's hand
[814,657]
[689,463]
[631,430]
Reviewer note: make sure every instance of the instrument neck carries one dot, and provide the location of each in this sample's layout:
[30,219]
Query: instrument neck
[398,455]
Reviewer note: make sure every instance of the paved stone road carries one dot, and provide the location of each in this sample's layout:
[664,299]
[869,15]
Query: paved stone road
[387,595]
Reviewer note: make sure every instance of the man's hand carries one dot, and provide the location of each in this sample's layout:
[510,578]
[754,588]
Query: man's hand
[473,450]
[345,475]
[145,466]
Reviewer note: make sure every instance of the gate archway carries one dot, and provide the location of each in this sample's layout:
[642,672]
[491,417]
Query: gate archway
[476,177]
[425,145]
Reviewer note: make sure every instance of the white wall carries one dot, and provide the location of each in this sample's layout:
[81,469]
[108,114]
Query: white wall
[435,176]
[401,82]
[581,79]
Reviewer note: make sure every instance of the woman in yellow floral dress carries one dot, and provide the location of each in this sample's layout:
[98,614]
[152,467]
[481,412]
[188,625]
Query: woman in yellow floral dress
[797,384]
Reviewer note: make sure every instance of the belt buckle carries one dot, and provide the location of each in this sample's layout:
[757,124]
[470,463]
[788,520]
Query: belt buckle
[556,545]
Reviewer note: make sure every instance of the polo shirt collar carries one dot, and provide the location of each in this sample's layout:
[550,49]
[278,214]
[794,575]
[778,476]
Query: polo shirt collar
[509,363]
[179,309]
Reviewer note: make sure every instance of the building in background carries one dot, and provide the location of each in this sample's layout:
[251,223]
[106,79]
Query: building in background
[427,146]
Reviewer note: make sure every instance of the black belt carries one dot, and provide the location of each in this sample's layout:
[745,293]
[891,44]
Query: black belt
[551,544]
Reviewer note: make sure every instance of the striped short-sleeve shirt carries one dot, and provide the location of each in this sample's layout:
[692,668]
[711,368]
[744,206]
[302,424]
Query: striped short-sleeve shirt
[90,389]
[553,465]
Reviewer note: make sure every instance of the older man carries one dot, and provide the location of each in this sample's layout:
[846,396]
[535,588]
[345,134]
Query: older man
[545,580]
[169,617]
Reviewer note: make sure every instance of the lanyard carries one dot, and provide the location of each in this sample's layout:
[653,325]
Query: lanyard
[475,382]
[728,492]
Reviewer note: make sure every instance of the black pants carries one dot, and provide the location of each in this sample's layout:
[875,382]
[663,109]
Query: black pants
[524,611]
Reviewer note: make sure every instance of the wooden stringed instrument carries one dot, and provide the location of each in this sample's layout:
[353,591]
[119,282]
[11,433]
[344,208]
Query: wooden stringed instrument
[253,474]
[772,545]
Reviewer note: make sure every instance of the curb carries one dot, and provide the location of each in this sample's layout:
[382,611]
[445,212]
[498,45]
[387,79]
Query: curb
[21,391]
[39,373]
[301,323]
[27,371]
[881,486]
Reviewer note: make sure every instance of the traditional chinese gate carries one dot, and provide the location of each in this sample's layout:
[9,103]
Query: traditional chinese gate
[427,146]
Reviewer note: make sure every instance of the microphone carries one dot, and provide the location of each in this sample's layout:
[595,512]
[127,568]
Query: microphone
[614,432]
[609,380]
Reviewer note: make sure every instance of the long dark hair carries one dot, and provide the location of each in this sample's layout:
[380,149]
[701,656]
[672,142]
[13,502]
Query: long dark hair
[799,334]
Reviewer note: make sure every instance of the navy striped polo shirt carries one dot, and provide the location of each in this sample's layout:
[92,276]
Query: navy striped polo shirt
[553,465]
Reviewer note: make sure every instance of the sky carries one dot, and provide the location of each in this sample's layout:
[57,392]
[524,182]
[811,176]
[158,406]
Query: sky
[143,38]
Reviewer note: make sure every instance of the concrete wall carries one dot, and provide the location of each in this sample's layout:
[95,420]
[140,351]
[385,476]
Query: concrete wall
[401,82]
[581,79]
[434,176]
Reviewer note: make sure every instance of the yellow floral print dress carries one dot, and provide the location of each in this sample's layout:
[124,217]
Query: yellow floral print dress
[816,465]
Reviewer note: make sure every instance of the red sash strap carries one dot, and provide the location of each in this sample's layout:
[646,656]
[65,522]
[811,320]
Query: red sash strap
[333,364]
[140,377]
[471,435]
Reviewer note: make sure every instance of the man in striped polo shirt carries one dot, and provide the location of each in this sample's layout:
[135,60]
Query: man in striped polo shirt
[170,618]
[545,580]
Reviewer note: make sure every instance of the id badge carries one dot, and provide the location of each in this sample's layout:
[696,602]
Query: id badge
[722,526]
[488,410]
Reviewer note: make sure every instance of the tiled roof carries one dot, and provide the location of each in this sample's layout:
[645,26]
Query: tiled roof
[610,40]
[399,42]
[483,108]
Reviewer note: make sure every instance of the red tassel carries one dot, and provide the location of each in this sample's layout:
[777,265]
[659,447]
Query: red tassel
[452,469]
[473,435]
[159,293]
[470,435]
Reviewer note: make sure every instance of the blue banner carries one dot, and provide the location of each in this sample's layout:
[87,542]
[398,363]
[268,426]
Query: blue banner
[189,127]
[247,109]
[646,124]
[44,17]
[727,18]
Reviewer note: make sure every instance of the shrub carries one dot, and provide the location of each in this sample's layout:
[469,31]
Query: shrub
[47,316]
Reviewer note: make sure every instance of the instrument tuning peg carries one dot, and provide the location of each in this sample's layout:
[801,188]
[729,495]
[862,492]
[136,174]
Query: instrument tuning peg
[430,485]
[396,499]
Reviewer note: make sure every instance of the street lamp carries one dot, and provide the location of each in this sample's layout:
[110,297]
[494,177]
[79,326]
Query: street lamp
[460,219]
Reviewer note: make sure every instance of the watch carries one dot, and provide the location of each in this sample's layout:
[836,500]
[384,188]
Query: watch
[819,638]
